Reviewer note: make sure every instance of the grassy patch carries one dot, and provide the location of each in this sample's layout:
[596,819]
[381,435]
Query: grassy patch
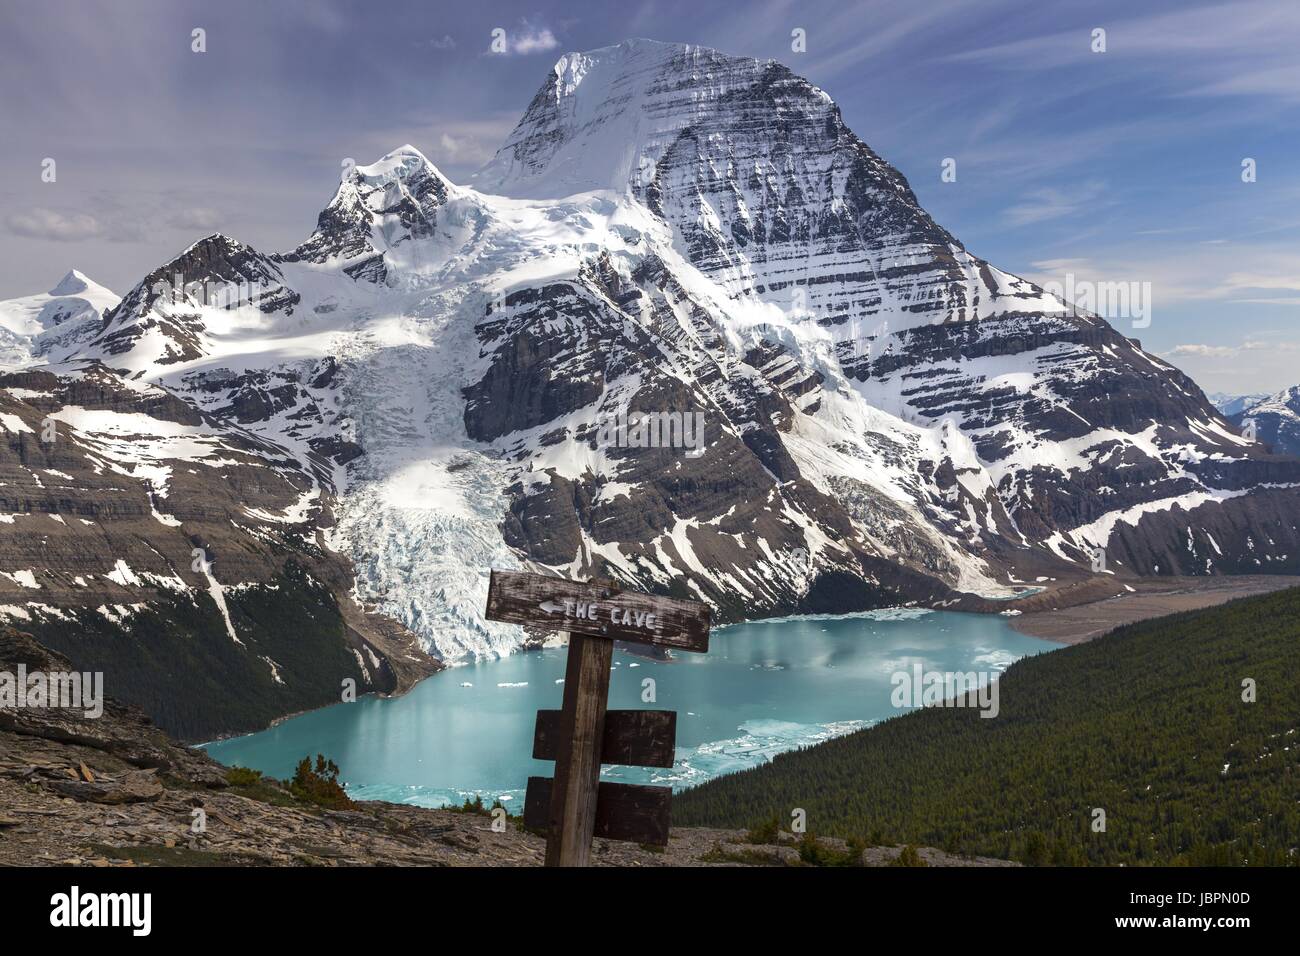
[166,856]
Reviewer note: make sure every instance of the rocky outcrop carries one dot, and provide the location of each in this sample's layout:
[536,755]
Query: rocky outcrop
[377,209]
[164,318]
[179,555]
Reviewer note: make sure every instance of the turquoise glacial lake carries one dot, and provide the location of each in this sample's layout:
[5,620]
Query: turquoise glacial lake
[763,688]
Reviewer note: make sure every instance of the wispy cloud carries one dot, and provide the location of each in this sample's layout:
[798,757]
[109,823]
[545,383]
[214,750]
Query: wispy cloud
[1249,366]
[195,218]
[848,47]
[1273,271]
[1198,273]
[56,226]
[1202,351]
[457,146]
[1243,47]
[463,150]
[1040,205]
[525,39]
[1231,351]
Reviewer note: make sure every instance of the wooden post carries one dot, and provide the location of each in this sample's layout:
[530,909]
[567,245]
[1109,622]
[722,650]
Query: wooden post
[574,806]
[577,763]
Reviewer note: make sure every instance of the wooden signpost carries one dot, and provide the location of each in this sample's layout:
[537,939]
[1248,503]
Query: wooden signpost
[576,806]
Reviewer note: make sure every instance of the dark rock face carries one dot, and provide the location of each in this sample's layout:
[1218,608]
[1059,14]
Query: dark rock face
[145,538]
[535,379]
[216,272]
[720,501]
[1100,390]
[1056,434]
[598,357]
[376,208]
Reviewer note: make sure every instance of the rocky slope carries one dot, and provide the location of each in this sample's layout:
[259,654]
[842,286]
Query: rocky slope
[178,553]
[686,330]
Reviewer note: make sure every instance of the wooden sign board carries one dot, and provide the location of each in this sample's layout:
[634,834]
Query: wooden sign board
[597,610]
[575,805]
[632,738]
[624,811]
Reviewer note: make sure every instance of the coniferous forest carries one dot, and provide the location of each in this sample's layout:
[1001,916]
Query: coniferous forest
[1152,724]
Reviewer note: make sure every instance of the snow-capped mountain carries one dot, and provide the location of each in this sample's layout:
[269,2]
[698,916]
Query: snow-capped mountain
[1232,404]
[174,550]
[685,330]
[69,313]
[1276,419]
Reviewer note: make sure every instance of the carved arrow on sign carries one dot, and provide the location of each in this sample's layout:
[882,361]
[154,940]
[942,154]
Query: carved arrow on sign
[598,610]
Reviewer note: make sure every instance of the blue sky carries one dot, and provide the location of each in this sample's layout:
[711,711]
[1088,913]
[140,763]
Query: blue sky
[1115,166]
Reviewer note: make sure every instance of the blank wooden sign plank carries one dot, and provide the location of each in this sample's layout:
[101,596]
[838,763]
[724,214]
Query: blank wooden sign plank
[624,811]
[521,597]
[633,738]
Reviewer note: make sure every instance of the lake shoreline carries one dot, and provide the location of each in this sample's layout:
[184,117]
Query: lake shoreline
[1073,614]
[1076,623]
[764,689]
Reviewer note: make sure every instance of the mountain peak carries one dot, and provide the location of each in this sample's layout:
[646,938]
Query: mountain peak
[216,240]
[404,163]
[74,283]
[602,117]
[638,52]
[636,45]
[375,208]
